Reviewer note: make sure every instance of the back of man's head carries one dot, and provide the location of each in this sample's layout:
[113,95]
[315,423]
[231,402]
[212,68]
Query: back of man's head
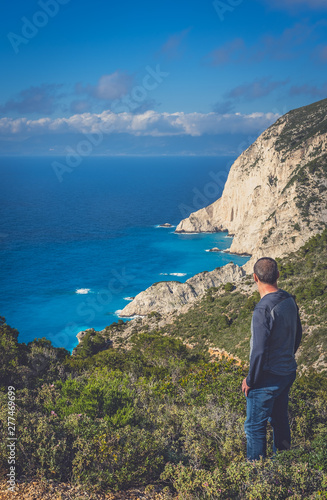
[266,269]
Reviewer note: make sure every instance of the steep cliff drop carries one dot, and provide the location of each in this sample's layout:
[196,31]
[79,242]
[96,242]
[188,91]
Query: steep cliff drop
[274,200]
[275,196]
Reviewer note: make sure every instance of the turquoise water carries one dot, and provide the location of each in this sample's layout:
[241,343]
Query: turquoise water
[73,252]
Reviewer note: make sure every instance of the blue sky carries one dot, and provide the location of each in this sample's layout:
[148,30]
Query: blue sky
[174,77]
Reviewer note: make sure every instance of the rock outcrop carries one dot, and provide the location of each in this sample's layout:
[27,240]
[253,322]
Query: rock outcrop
[168,296]
[275,197]
[82,334]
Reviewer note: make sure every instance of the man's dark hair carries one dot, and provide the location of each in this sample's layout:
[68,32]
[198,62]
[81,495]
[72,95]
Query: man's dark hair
[266,269]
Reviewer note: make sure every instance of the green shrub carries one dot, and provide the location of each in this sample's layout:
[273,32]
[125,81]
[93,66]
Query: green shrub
[119,459]
[229,287]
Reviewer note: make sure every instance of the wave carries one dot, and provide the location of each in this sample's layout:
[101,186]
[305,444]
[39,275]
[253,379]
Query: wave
[117,313]
[173,274]
[160,226]
[83,291]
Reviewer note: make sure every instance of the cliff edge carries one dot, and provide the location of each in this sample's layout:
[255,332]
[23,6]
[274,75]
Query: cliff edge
[275,196]
[168,296]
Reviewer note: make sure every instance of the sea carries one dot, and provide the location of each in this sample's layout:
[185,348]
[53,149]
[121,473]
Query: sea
[76,247]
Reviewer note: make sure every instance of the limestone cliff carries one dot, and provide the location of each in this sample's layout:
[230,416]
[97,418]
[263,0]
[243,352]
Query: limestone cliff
[168,296]
[275,196]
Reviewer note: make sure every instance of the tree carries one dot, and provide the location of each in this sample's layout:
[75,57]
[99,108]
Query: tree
[9,351]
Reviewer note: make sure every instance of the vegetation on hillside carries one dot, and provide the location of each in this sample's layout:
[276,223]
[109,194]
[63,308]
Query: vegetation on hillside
[222,318]
[157,412]
[302,124]
[309,178]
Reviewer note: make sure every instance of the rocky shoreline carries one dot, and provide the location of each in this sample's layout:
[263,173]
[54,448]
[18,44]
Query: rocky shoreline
[168,296]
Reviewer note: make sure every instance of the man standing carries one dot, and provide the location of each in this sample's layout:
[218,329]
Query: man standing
[276,335]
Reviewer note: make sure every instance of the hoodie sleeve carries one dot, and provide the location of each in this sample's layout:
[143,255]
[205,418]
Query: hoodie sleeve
[261,328]
[298,332]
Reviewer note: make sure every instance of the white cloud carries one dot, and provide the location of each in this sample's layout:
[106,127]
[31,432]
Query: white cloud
[108,87]
[311,90]
[254,90]
[41,100]
[113,86]
[149,123]
[287,4]
[171,47]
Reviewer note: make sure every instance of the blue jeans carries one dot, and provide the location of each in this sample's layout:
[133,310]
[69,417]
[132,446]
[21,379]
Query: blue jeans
[269,401]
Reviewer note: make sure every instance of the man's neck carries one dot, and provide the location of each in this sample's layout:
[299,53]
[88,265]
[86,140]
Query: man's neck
[264,289]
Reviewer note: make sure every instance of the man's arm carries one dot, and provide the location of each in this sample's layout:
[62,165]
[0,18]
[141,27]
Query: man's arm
[298,332]
[262,324]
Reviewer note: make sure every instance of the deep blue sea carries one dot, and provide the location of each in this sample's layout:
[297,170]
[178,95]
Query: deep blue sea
[73,252]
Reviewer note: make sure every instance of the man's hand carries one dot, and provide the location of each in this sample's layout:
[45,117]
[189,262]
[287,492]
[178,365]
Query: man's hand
[245,388]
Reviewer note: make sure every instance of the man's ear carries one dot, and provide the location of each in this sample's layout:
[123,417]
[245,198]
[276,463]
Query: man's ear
[256,279]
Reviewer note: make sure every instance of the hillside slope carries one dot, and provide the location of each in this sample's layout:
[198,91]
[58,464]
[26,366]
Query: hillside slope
[221,318]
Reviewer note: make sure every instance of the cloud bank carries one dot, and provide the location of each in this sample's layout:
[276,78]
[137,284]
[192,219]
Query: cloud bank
[149,123]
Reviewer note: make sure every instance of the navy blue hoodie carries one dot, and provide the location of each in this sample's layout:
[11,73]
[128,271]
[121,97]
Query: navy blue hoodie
[276,334]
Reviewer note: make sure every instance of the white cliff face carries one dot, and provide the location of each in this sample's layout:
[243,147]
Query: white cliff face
[168,296]
[266,203]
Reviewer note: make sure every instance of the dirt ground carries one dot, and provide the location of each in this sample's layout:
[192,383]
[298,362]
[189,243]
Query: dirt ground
[48,490]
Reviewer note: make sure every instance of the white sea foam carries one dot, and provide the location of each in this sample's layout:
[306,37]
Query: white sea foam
[117,313]
[83,291]
[158,226]
[173,274]
[128,298]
